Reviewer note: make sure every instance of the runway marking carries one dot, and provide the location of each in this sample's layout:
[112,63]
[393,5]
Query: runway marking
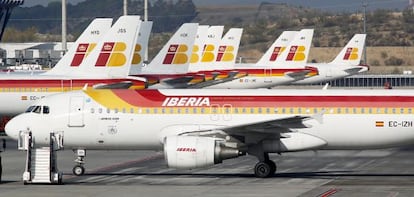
[393,194]
[329,192]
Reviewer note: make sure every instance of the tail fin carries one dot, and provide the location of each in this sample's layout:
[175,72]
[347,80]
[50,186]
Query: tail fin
[227,51]
[352,52]
[197,52]
[297,52]
[280,44]
[113,54]
[140,47]
[208,47]
[174,57]
[82,47]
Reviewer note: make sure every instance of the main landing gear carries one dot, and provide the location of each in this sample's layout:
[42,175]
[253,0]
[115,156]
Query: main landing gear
[265,167]
[79,169]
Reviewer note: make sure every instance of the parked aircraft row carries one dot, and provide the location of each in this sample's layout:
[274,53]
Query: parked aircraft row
[198,128]
[195,57]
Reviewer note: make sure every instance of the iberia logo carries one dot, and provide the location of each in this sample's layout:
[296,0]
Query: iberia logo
[208,53]
[194,55]
[351,54]
[176,54]
[112,54]
[225,54]
[136,59]
[276,52]
[81,53]
[296,53]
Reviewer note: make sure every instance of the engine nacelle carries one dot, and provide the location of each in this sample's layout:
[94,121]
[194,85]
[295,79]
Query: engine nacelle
[189,152]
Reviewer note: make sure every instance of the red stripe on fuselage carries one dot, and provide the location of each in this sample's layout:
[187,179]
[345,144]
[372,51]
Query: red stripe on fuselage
[52,83]
[153,98]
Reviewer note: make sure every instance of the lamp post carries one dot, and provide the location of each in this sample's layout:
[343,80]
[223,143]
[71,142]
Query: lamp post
[64,44]
[364,5]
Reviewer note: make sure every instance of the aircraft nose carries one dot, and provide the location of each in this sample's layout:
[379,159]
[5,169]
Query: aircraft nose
[13,127]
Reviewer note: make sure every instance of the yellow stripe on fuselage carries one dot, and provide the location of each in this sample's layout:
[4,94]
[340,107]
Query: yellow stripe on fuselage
[108,99]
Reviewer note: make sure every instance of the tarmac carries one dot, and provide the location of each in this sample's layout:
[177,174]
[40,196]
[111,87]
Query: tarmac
[388,173]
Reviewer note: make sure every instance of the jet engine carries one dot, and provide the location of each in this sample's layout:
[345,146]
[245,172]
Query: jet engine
[188,152]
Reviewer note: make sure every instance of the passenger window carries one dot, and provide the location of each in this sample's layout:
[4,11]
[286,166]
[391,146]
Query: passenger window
[100,110]
[45,110]
[92,110]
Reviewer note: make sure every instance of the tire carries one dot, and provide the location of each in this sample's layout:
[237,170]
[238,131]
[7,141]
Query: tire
[262,170]
[273,167]
[78,170]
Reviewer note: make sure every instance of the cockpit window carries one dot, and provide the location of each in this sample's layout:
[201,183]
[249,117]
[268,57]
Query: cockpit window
[45,110]
[38,109]
[29,109]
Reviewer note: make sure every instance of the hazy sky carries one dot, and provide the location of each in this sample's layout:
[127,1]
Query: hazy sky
[346,5]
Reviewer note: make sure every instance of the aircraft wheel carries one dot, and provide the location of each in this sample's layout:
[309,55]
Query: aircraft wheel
[273,167]
[262,170]
[78,170]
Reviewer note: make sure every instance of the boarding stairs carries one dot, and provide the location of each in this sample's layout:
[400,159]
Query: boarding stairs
[41,162]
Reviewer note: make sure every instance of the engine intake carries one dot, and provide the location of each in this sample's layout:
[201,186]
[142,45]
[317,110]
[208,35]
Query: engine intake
[187,152]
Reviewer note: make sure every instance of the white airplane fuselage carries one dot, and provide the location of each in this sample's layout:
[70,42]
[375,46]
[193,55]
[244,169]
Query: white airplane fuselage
[329,72]
[349,120]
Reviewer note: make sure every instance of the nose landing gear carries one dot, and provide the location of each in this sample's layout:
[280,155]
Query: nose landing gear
[79,169]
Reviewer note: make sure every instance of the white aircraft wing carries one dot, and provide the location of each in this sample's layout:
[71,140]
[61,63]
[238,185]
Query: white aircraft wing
[256,132]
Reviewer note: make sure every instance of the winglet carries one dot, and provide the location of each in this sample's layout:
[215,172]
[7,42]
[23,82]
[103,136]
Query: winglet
[85,87]
[325,87]
[319,116]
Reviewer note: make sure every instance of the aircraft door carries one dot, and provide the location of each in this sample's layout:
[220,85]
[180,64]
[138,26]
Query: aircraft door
[268,75]
[76,118]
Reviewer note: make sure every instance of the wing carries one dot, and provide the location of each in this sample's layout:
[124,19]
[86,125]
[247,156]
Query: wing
[255,132]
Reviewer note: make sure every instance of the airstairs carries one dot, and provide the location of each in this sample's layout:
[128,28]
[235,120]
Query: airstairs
[41,162]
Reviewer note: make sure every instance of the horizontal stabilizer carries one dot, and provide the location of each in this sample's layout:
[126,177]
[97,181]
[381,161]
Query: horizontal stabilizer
[353,71]
[298,75]
[120,85]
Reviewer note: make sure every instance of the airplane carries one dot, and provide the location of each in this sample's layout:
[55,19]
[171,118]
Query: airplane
[106,67]
[85,43]
[282,67]
[346,63]
[82,47]
[199,128]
